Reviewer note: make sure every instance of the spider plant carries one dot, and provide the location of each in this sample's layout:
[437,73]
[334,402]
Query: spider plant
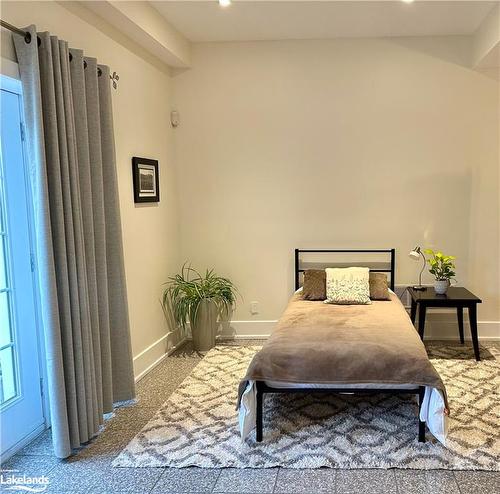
[186,291]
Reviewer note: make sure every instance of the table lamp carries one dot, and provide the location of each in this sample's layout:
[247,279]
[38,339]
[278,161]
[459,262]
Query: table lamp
[415,254]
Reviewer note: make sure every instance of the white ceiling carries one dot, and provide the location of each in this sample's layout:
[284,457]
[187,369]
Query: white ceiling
[262,20]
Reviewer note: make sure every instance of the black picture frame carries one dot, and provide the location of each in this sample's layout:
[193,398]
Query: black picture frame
[146,180]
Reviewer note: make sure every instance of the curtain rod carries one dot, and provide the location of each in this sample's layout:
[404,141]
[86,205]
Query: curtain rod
[27,37]
[25,34]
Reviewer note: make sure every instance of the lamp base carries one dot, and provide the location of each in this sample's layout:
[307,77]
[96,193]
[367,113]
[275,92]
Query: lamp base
[419,288]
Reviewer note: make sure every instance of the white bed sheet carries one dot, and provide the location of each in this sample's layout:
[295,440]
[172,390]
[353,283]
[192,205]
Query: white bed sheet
[432,411]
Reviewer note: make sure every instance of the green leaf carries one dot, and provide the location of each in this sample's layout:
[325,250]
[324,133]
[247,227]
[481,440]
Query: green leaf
[441,266]
[184,292]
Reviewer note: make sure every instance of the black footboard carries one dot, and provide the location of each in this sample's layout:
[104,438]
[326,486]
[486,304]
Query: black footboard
[262,388]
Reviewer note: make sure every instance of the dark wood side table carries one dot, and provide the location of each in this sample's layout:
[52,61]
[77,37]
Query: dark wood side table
[456,296]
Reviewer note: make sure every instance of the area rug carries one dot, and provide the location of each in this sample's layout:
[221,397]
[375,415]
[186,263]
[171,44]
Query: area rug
[198,425]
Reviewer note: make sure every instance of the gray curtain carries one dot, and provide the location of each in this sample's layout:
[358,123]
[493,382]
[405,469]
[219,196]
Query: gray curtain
[78,236]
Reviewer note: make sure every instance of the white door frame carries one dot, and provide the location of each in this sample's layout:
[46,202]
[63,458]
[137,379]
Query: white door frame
[13,85]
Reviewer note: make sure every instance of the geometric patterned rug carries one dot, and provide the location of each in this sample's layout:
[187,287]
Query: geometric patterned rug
[198,424]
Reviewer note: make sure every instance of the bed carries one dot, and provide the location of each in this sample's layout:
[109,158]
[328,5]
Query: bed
[325,348]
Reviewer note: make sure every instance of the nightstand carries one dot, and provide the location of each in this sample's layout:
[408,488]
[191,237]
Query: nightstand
[456,296]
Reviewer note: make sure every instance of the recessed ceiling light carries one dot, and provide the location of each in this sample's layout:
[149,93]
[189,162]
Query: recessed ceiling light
[408,1]
[224,3]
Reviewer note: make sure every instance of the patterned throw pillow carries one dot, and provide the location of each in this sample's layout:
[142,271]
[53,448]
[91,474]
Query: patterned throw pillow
[347,286]
[314,287]
[379,290]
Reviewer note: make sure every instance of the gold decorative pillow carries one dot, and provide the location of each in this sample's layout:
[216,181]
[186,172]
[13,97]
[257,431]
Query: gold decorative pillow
[379,289]
[314,287]
[347,286]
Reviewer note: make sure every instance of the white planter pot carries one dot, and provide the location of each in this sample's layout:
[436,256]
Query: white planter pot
[204,328]
[441,286]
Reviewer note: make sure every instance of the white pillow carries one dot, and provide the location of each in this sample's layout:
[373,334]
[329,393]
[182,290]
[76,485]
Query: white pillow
[348,286]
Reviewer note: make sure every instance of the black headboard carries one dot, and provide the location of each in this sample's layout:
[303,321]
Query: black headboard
[387,266]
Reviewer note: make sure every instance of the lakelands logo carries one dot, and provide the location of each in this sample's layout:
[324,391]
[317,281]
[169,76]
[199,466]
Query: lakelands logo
[9,481]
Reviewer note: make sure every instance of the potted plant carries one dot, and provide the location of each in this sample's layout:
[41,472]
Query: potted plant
[442,267]
[201,300]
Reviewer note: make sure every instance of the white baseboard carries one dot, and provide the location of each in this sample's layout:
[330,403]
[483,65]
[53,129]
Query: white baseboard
[442,326]
[151,356]
[248,329]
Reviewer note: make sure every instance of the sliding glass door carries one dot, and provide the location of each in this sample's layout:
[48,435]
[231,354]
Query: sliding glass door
[21,406]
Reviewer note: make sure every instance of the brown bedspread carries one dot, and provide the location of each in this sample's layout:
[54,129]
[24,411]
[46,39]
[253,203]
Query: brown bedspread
[322,343]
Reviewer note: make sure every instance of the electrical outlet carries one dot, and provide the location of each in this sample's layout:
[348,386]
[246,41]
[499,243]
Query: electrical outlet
[254,307]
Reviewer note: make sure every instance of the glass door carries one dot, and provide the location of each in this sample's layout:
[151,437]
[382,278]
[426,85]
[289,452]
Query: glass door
[21,406]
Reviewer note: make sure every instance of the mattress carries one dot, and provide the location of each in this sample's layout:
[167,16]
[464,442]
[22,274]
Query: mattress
[284,385]
[353,346]
[318,343]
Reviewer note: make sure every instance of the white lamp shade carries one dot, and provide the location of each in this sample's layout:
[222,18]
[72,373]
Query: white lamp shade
[415,255]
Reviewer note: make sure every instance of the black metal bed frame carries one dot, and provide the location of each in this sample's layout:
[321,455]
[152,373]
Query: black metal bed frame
[391,270]
[262,388]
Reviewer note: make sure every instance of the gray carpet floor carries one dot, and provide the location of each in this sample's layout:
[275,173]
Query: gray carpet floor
[90,470]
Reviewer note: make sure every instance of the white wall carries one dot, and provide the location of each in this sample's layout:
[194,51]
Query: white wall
[142,128]
[342,143]
[486,38]
[346,143]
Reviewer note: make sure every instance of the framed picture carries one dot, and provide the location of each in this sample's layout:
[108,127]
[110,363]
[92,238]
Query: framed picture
[146,181]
